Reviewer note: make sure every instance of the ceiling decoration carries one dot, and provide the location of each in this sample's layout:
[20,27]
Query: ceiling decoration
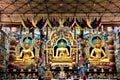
[92,8]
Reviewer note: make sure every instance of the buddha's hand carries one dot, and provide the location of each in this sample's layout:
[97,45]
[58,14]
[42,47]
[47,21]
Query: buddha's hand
[25,59]
[103,57]
[95,58]
[17,57]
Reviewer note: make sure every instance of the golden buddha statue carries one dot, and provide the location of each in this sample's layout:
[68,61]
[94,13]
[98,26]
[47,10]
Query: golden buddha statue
[26,54]
[62,56]
[62,52]
[98,53]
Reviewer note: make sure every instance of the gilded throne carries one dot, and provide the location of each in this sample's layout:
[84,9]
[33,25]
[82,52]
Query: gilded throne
[62,49]
[26,50]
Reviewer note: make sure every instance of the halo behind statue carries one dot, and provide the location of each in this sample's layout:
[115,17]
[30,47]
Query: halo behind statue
[27,38]
[61,40]
[95,37]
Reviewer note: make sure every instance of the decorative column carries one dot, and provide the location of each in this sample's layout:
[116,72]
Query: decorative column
[0,16]
[33,33]
[12,48]
[3,54]
[111,50]
[46,32]
[75,32]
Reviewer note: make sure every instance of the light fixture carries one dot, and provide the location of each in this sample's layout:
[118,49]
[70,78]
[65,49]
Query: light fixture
[61,4]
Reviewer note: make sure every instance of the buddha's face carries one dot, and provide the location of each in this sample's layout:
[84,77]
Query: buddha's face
[27,45]
[98,45]
[62,44]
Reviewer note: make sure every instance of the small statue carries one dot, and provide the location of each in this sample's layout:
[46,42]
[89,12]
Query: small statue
[62,51]
[62,74]
[48,74]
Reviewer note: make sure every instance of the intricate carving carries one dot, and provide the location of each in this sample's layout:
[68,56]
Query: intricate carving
[28,48]
[62,49]
[96,51]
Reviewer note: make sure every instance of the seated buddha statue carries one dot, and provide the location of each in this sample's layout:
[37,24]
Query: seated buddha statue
[98,53]
[26,54]
[62,51]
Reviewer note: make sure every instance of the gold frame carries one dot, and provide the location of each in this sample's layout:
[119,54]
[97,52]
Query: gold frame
[87,49]
[94,35]
[91,45]
[53,42]
[17,49]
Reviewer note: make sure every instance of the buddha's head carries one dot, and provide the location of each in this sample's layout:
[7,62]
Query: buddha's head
[27,45]
[61,44]
[98,43]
